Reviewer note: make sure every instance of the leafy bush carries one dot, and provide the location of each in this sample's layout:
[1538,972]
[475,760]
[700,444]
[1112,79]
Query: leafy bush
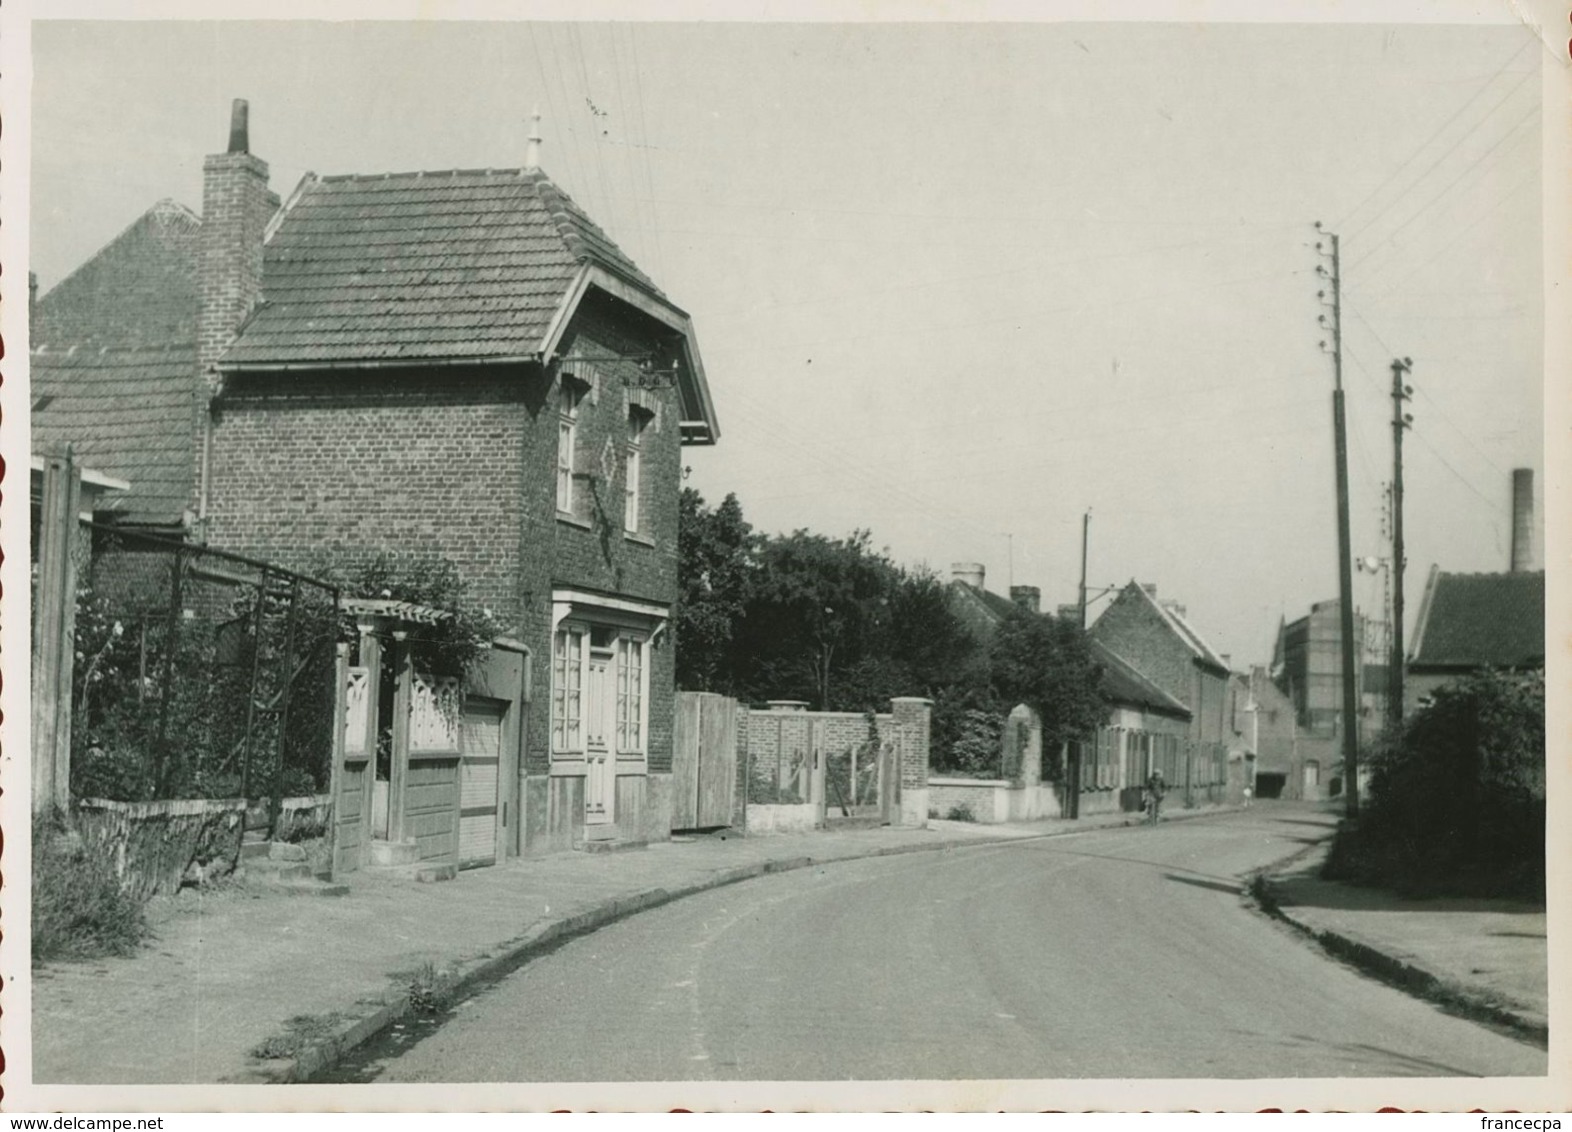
[970,742]
[961,811]
[80,910]
[1457,796]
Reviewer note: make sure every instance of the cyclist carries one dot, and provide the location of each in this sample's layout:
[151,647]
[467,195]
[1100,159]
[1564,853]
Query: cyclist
[1155,789]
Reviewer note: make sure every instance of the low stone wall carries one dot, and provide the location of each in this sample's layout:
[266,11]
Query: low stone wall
[156,846]
[802,818]
[993,800]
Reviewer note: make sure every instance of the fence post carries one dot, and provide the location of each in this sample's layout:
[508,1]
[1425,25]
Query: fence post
[171,654]
[54,630]
[258,613]
[276,801]
[914,733]
[336,771]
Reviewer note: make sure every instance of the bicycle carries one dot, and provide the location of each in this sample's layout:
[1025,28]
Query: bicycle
[1152,805]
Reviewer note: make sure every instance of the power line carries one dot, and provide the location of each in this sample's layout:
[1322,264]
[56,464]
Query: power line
[1532,178]
[1429,399]
[1443,128]
[1467,169]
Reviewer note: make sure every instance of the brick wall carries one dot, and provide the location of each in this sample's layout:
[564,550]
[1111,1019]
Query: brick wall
[338,469]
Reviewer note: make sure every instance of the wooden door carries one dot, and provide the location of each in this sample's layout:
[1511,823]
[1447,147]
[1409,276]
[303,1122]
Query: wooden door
[479,780]
[600,786]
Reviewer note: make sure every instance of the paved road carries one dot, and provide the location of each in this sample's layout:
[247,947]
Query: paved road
[1123,953]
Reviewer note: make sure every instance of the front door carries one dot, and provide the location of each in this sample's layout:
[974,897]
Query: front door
[600,785]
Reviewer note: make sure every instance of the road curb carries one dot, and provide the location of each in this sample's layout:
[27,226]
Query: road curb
[1395,972]
[321,1053]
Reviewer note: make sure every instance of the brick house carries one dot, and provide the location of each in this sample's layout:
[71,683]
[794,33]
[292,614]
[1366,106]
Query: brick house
[1154,638]
[455,365]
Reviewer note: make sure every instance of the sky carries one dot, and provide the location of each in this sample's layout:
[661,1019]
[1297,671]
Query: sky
[958,283]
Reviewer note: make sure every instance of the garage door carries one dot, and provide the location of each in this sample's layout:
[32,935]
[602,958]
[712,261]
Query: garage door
[478,781]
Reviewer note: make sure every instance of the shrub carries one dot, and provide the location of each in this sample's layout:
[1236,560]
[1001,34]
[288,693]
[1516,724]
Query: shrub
[80,909]
[1457,798]
[961,811]
[765,790]
[973,744]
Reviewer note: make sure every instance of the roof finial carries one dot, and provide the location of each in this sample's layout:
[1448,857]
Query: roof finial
[532,153]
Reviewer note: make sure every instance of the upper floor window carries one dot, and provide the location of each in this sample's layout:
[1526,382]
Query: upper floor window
[567,443]
[633,480]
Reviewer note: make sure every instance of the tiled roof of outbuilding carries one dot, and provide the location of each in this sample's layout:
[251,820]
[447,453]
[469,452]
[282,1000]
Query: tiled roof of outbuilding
[421,266]
[1482,620]
[125,411]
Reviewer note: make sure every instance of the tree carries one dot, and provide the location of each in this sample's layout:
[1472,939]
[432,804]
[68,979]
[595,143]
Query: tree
[814,618]
[715,557]
[1045,662]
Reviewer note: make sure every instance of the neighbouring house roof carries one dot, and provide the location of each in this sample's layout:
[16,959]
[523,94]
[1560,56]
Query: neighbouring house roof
[980,608]
[140,289]
[1479,621]
[114,358]
[1123,685]
[1182,629]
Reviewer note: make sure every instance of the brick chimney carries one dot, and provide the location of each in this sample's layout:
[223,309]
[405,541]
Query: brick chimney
[972,573]
[1522,520]
[236,208]
[1029,598]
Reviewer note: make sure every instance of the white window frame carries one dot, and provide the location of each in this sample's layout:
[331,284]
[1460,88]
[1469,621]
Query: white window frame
[633,479]
[567,444]
[632,685]
[573,747]
[566,743]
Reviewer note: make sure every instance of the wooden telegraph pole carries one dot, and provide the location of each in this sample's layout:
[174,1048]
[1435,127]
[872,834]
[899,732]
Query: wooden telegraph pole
[1401,391]
[1329,246]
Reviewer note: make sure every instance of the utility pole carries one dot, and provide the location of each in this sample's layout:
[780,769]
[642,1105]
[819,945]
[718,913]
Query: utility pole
[1344,552]
[1086,526]
[1401,391]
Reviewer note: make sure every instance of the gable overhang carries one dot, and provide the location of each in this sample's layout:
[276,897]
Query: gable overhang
[698,421]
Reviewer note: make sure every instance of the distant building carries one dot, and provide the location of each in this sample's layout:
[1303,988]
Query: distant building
[1469,622]
[1308,668]
[1154,639]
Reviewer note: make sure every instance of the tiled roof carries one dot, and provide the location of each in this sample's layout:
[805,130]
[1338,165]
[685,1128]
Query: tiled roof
[1482,620]
[140,289]
[114,362]
[125,411]
[1122,684]
[421,266]
[979,608]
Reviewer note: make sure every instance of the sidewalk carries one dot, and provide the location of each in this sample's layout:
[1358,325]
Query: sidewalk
[1483,958]
[242,970]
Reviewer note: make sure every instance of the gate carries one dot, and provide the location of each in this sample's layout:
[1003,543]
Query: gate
[860,784]
[704,761]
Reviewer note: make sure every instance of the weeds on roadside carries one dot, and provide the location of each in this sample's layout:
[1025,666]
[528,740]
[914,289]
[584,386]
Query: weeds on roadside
[80,908]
